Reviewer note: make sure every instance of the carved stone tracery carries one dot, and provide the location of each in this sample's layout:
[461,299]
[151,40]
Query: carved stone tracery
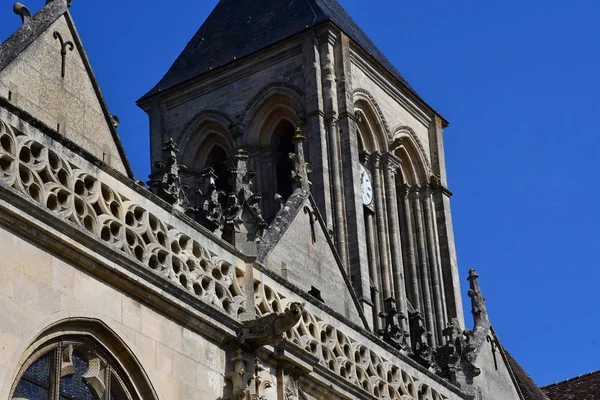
[43,176]
[344,355]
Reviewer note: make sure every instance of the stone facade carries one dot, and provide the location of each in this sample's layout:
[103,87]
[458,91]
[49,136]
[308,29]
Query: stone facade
[252,268]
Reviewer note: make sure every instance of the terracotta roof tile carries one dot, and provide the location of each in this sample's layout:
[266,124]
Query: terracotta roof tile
[584,387]
[528,388]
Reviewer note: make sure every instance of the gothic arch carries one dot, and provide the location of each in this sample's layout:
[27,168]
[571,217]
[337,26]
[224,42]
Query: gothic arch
[365,96]
[274,103]
[205,131]
[99,335]
[416,168]
[371,126]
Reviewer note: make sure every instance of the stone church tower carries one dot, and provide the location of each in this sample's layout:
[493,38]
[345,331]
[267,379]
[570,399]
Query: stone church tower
[294,242]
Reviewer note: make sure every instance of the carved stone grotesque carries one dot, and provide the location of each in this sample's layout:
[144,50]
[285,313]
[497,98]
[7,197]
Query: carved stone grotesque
[23,12]
[167,184]
[422,351]
[270,328]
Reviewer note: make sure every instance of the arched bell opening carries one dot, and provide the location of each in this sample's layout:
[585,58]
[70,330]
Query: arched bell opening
[217,160]
[284,134]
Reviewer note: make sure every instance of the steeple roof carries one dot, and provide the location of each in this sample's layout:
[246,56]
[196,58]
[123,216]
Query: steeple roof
[238,28]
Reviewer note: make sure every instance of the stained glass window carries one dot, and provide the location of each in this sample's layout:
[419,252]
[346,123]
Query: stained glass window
[71,369]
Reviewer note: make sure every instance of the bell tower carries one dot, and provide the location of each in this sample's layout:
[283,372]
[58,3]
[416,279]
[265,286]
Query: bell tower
[233,102]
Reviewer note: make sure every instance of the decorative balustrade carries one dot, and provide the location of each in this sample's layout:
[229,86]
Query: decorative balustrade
[344,355]
[42,175]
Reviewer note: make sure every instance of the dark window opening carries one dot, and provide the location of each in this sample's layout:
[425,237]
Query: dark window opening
[217,160]
[284,165]
[9,95]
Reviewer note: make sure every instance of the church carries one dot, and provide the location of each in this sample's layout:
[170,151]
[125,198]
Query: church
[294,240]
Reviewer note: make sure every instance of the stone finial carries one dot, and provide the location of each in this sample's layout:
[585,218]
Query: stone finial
[477,300]
[392,333]
[422,351]
[210,200]
[168,185]
[52,1]
[452,351]
[23,12]
[301,168]
[269,330]
[242,218]
[250,379]
[477,337]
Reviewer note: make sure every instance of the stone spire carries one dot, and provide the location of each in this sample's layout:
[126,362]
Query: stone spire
[211,199]
[463,347]
[477,337]
[301,168]
[168,185]
[242,217]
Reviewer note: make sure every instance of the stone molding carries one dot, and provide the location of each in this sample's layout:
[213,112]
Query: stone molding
[415,139]
[368,97]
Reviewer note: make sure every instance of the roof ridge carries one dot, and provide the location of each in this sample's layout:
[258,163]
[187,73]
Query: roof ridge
[580,377]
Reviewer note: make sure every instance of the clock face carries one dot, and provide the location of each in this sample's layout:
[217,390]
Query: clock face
[367,187]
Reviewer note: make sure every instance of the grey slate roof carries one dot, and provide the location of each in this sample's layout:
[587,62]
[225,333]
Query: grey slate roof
[238,28]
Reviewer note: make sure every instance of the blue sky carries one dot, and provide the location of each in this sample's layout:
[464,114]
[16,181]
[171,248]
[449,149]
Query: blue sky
[519,83]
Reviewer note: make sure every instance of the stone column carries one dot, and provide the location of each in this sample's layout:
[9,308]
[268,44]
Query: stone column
[386,278]
[410,251]
[442,196]
[328,41]
[436,282]
[374,272]
[392,165]
[423,263]
[318,150]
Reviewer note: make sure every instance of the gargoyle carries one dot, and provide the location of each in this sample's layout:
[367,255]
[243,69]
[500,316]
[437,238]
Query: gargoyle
[270,328]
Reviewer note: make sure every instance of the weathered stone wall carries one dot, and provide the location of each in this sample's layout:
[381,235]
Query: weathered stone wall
[305,258]
[39,289]
[495,381]
[70,104]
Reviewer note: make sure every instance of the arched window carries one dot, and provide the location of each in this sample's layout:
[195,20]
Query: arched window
[284,133]
[217,160]
[71,368]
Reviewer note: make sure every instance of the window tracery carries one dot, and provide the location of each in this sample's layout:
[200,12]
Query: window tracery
[71,368]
